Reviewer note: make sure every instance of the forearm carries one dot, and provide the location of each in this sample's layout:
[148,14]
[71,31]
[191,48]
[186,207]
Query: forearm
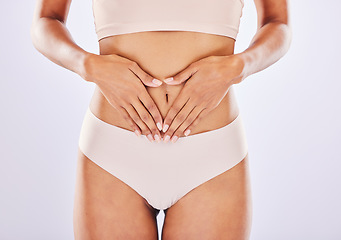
[268,45]
[51,38]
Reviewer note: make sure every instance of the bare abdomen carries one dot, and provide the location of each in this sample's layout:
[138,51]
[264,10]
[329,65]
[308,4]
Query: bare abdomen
[162,54]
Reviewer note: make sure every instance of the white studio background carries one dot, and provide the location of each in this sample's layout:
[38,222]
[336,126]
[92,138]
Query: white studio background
[291,113]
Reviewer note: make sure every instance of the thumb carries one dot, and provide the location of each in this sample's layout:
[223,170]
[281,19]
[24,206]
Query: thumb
[145,78]
[181,76]
[150,81]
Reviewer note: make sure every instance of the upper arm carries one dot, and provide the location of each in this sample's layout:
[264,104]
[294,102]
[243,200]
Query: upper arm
[271,11]
[56,9]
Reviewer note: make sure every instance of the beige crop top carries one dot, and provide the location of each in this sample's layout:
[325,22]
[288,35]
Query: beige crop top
[114,17]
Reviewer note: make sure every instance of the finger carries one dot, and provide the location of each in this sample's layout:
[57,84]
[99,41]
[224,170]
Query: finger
[179,119]
[143,76]
[147,119]
[130,120]
[136,118]
[176,107]
[152,108]
[191,121]
[145,129]
[182,76]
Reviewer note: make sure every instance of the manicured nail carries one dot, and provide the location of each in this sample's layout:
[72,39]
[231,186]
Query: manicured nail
[174,139]
[137,132]
[157,138]
[165,127]
[167,80]
[187,132]
[159,126]
[150,138]
[157,82]
[166,139]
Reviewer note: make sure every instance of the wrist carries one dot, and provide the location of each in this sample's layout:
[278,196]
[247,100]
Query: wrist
[242,64]
[87,62]
[236,67]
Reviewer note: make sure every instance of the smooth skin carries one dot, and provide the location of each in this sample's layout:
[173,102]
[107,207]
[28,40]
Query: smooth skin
[123,89]
[197,99]
[107,208]
[207,83]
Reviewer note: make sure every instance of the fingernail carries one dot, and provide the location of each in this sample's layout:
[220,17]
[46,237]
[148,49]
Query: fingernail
[166,139]
[159,126]
[174,138]
[167,80]
[150,138]
[165,127]
[187,132]
[157,138]
[157,82]
[137,132]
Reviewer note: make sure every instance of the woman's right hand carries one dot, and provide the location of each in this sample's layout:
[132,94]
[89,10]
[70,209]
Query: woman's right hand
[122,83]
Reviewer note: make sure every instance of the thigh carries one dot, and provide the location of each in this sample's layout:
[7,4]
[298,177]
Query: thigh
[107,208]
[217,209]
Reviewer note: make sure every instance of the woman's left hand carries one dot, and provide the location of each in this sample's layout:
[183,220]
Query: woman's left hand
[208,81]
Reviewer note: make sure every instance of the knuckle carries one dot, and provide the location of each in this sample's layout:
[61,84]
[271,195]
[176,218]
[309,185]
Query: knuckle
[181,117]
[136,118]
[150,107]
[197,119]
[194,123]
[175,109]
[202,115]
[144,117]
[133,64]
[189,120]
[126,117]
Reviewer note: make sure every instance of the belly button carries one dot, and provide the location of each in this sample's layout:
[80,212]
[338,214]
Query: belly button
[166,91]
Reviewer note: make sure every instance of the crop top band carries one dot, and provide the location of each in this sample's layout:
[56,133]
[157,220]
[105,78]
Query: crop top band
[114,17]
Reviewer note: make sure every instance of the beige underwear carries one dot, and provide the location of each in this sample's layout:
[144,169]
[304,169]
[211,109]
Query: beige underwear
[162,173]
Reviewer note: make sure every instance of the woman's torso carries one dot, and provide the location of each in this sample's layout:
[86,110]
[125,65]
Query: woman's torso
[162,54]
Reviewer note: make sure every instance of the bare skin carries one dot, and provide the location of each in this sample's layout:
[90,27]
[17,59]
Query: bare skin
[174,53]
[107,208]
